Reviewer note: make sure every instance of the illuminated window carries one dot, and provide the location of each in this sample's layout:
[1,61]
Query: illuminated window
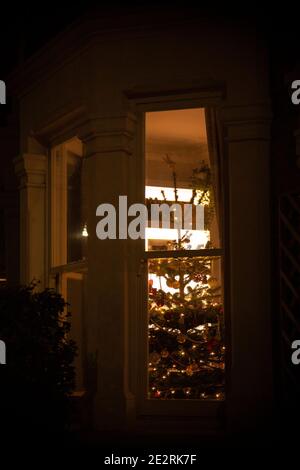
[186,318]
[69,234]
[68,222]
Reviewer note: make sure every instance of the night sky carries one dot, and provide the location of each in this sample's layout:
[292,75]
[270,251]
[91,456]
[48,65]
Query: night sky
[25,27]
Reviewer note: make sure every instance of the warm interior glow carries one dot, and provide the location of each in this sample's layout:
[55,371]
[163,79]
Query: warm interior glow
[155,192]
[84,232]
[183,194]
[198,238]
[186,321]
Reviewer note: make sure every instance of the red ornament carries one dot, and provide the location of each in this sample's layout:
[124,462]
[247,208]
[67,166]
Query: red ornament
[211,344]
[161,301]
[168,316]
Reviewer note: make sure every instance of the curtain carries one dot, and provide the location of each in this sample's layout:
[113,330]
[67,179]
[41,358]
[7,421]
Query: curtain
[215,159]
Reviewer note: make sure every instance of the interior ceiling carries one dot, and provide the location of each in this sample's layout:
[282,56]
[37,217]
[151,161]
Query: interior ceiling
[74,146]
[185,125]
[180,135]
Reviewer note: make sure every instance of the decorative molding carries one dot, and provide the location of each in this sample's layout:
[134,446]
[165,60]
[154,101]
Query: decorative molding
[108,134]
[246,122]
[202,88]
[61,125]
[205,92]
[31,169]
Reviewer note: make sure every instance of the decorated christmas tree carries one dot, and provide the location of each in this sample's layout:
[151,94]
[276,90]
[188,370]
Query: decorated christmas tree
[186,322]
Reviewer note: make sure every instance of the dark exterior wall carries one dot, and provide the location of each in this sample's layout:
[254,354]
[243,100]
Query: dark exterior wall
[285,177]
[9,192]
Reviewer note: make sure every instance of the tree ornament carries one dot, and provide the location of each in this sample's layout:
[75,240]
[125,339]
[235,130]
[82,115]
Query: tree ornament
[213,283]
[202,175]
[161,299]
[168,315]
[154,357]
[211,344]
[165,353]
[181,338]
[189,370]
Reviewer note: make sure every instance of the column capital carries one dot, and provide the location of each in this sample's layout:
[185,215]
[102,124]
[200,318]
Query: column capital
[31,169]
[106,134]
[246,122]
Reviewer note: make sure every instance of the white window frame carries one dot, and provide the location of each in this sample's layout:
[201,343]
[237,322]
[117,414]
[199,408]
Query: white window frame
[60,271]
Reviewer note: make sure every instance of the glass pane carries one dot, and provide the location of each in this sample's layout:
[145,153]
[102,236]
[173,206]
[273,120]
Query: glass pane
[74,209]
[179,169]
[76,206]
[68,196]
[186,328]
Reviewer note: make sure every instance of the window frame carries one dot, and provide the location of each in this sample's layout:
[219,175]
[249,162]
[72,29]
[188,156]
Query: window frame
[175,407]
[59,273]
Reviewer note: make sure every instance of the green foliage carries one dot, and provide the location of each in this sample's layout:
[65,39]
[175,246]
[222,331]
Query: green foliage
[39,373]
[203,193]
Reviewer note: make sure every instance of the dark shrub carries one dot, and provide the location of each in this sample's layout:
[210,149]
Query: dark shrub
[39,372]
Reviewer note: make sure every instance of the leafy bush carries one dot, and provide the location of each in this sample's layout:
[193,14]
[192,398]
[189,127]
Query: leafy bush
[39,372]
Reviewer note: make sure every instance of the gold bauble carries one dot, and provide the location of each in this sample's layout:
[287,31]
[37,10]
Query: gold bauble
[181,338]
[213,283]
[154,357]
[189,370]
